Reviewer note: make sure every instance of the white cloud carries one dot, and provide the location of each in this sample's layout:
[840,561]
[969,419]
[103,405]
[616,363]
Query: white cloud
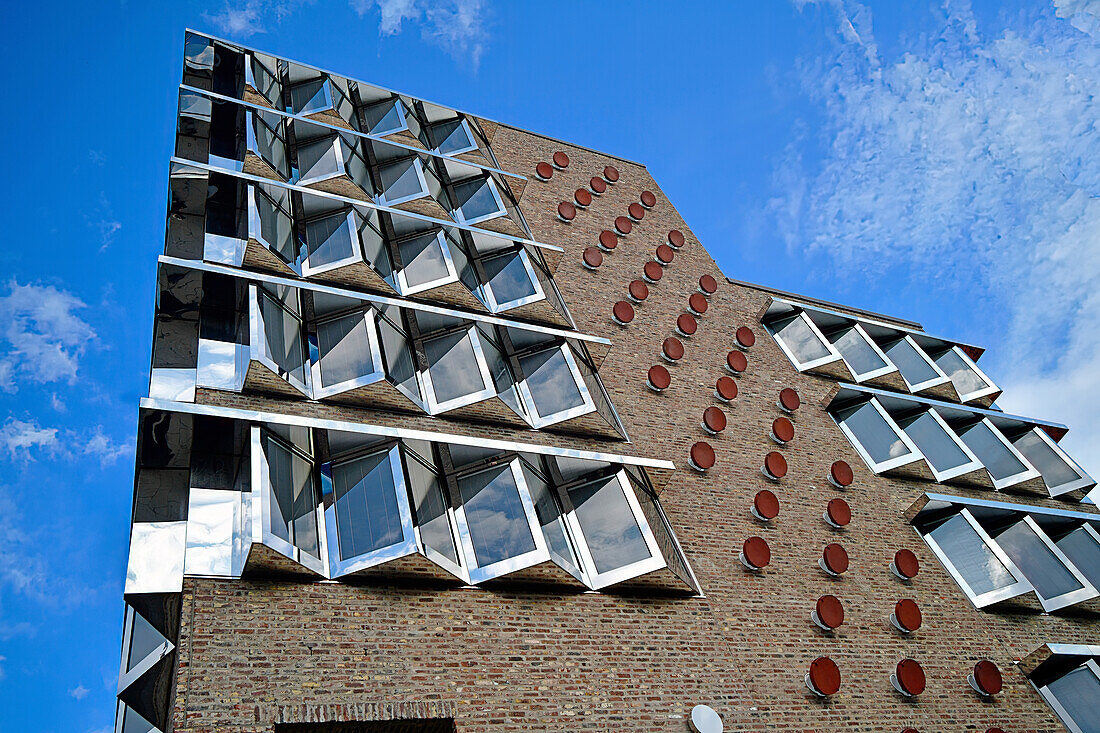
[46,336]
[79,692]
[3,673]
[241,20]
[971,162]
[102,447]
[20,437]
[456,26]
[1083,14]
[26,439]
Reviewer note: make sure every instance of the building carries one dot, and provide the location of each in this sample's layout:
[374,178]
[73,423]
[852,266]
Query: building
[453,426]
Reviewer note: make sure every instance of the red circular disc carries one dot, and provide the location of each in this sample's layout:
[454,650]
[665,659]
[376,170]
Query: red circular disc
[830,611]
[672,348]
[636,211]
[623,312]
[608,240]
[907,614]
[676,238]
[714,419]
[597,184]
[789,399]
[825,676]
[841,473]
[611,173]
[988,677]
[708,284]
[544,170]
[698,303]
[839,512]
[648,199]
[911,676]
[726,388]
[659,377]
[686,324]
[836,559]
[665,254]
[766,504]
[623,225]
[652,271]
[702,455]
[909,730]
[775,464]
[638,289]
[567,210]
[592,257]
[783,429]
[745,337]
[561,160]
[757,552]
[906,563]
[737,361]
[583,197]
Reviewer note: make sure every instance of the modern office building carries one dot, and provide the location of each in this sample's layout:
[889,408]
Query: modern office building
[455,426]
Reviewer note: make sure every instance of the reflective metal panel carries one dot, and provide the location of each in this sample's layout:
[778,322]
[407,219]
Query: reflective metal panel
[157,551]
[214,518]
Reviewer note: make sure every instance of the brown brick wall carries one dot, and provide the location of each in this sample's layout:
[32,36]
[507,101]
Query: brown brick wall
[511,658]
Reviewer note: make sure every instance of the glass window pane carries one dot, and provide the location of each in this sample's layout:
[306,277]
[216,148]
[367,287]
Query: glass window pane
[143,640]
[367,517]
[873,433]
[424,258]
[966,379]
[801,340]
[495,516]
[553,526]
[319,159]
[509,278]
[934,442]
[293,518]
[344,348]
[1036,561]
[856,351]
[453,366]
[1083,550]
[132,722]
[276,229]
[309,97]
[431,509]
[1078,692]
[283,334]
[551,382]
[384,117]
[991,451]
[331,239]
[910,362]
[476,199]
[398,358]
[972,558]
[1055,471]
[608,524]
[453,137]
[400,180]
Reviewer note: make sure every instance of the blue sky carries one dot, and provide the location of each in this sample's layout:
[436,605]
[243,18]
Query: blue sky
[936,161]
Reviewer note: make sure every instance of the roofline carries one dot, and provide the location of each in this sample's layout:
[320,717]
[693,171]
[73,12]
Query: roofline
[913,325]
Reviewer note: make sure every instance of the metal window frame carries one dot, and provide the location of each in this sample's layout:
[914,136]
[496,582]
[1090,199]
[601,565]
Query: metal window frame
[394,100]
[912,456]
[536,418]
[355,253]
[452,272]
[480,573]
[257,342]
[992,387]
[382,196]
[254,117]
[1068,598]
[572,565]
[436,407]
[338,565]
[341,159]
[1091,531]
[1029,472]
[469,136]
[980,600]
[250,76]
[972,463]
[263,499]
[255,222]
[127,677]
[874,373]
[502,210]
[595,579]
[940,378]
[1084,481]
[801,366]
[458,569]
[497,306]
[1052,700]
[376,375]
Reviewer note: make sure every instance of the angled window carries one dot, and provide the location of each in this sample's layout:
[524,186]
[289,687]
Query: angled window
[312,93]
[877,438]
[402,180]
[1060,472]
[345,353]
[385,117]
[862,355]
[397,355]
[270,223]
[436,524]
[947,456]
[427,262]
[802,342]
[1056,581]
[981,568]
[1005,464]
[331,241]
[552,520]
[510,281]
[477,199]
[970,382]
[453,137]
[457,373]
[266,138]
[1075,697]
[917,369]
[553,387]
[320,159]
[1082,547]
[367,516]
[288,498]
[261,73]
[276,338]
[496,518]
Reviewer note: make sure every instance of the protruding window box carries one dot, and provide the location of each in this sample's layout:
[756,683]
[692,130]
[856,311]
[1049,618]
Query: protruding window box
[330,161]
[320,96]
[277,352]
